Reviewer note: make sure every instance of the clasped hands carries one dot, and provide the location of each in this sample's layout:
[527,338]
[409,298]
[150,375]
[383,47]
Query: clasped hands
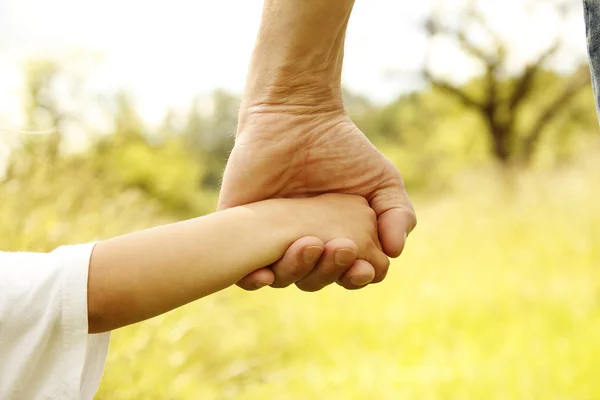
[284,151]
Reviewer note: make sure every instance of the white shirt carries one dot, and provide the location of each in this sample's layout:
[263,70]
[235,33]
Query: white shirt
[45,349]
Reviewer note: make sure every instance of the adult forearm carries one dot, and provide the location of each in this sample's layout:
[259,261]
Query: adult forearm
[299,53]
[140,275]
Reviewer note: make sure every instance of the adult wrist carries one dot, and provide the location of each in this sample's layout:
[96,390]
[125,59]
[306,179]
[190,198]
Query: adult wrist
[293,84]
[298,57]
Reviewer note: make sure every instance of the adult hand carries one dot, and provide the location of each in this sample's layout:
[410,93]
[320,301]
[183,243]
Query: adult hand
[297,151]
[294,139]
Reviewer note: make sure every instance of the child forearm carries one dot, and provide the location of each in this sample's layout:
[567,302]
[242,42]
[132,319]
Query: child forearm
[147,273]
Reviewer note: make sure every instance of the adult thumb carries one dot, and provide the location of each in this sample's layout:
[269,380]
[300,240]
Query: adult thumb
[396,218]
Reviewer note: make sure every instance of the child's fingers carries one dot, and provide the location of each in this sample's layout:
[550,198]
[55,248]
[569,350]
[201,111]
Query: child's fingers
[297,262]
[359,275]
[339,255]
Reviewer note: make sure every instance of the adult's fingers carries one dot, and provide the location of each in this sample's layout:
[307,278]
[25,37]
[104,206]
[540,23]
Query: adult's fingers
[393,228]
[396,216]
[358,276]
[297,262]
[338,256]
[257,279]
[289,268]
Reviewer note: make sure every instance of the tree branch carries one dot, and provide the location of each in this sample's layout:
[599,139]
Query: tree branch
[579,81]
[525,82]
[434,27]
[453,90]
[472,49]
[473,14]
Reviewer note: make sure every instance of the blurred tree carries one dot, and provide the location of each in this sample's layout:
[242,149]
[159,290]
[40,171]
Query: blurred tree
[158,164]
[501,99]
[43,109]
[126,120]
[210,133]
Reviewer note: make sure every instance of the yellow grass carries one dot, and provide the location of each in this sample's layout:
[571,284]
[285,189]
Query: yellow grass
[496,297]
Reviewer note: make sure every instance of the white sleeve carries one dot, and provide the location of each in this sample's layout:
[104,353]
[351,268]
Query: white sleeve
[45,349]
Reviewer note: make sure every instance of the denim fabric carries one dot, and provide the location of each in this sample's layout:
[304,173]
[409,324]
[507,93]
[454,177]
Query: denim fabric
[591,11]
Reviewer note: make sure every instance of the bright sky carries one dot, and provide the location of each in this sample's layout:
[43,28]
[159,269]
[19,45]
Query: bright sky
[167,52]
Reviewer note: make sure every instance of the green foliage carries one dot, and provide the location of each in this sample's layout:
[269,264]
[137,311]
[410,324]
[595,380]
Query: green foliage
[164,171]
[433,136]
[46,205]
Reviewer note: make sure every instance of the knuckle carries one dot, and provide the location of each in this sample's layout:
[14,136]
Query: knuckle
[290,271]
[374,247]
[296,271]
[321,278]
[413,218]
[386,263]
[330,275]
[381,269]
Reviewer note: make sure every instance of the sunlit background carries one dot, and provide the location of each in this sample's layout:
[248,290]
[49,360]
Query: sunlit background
[486,108]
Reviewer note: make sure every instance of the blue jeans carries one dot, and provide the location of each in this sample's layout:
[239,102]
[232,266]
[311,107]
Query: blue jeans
[591,11]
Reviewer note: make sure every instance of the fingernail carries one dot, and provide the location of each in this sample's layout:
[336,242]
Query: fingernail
[360,280]
[344,257]
[262,284]
[312,255]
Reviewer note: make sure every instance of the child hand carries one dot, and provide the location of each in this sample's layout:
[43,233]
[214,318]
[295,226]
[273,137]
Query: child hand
[334,216]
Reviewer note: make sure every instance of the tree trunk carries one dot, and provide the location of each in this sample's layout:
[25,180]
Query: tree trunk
[500,145]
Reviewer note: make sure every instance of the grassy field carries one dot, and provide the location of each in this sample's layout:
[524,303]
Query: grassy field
[496,297]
